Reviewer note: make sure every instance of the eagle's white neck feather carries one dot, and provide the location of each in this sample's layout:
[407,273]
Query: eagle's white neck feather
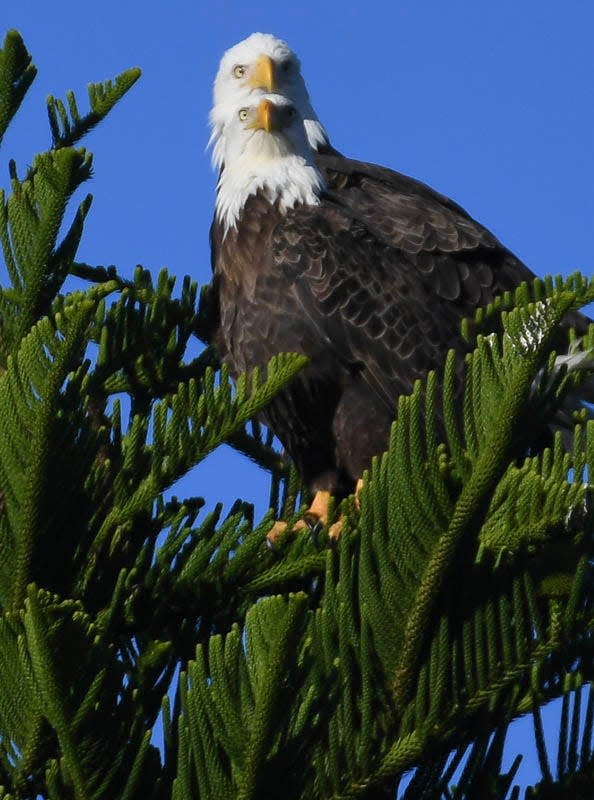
[285,178]
[314,130]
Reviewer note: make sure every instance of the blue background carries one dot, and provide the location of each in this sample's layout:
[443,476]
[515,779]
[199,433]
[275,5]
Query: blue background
[492,103]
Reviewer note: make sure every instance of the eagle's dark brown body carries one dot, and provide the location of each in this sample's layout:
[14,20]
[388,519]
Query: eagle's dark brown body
[371,285]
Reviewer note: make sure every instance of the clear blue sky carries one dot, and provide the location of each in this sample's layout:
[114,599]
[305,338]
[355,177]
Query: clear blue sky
[489,101]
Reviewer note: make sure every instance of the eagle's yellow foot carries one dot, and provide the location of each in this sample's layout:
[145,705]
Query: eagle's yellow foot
[316,515]
[277,529]
[314,518]
[335,529]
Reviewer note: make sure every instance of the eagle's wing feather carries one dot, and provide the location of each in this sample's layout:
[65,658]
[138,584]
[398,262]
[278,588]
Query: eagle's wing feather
[416,219]
[364,298]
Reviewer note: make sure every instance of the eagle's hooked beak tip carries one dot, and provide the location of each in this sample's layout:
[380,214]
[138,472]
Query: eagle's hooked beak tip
[265,118]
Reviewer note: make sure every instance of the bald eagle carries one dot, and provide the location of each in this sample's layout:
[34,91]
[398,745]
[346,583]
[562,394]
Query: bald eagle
[465,262]
[365,271]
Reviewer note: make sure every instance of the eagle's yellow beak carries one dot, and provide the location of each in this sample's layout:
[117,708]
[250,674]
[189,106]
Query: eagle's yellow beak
[263,74]
[265,117]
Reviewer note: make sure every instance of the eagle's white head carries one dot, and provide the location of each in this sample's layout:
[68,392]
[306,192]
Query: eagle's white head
[265,148]
[259,65]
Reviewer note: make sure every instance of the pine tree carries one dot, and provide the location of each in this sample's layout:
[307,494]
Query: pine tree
[457,599]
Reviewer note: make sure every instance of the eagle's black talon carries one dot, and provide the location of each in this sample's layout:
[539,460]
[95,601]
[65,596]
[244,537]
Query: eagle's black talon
[332,543]
[314,523]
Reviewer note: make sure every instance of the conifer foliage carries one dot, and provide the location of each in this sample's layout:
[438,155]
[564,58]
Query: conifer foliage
[152,648]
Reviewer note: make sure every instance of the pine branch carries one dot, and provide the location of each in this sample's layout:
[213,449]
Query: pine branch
[30,222]
[470,508]
[186,427]
[66,124]
[103,747]
[30,390]
[234,699]
[42,659]
[100,274]
[255,447]
[41,452]
[17,73]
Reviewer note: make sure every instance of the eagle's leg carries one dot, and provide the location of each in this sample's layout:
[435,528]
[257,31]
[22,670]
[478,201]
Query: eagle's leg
[277,529]
[336,528]
[315,517]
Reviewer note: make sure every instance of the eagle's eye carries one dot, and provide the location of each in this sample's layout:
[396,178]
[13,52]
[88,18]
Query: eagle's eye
[286,65]
[239,71]
[243,114]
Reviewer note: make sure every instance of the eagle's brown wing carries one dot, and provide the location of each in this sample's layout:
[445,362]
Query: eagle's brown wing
[391,311]
[466,261]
